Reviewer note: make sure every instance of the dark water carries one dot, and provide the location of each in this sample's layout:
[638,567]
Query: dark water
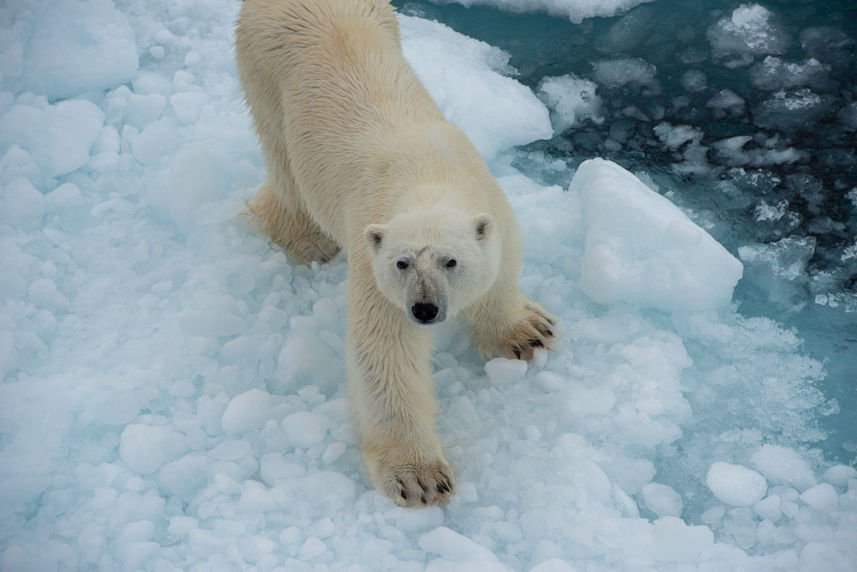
[797,216]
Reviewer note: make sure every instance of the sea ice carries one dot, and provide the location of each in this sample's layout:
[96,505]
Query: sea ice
[662,500]
[58,136]
[494,111]
[173,393]
[735,485]
[76,46]
[574,10]
[145,448]
[572,99]
[750,30]
[643,250]
[623,71]
[783,465]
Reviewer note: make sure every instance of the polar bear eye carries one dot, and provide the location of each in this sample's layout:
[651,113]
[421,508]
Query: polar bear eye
[401,265]
[451,263]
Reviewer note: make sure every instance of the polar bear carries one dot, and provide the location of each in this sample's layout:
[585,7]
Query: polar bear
[359,157]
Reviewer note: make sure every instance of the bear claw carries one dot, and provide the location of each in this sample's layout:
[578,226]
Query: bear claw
[420,485]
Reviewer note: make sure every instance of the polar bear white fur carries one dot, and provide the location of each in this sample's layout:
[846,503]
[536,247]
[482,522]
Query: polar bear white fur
[359,157]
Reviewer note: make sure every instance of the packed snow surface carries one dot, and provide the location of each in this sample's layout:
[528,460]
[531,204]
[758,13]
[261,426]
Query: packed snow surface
[173,393]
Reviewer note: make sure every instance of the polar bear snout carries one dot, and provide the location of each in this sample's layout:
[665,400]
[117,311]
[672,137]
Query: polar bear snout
[426,313]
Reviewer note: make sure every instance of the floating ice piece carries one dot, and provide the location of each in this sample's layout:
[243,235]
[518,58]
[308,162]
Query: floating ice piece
[495,112]
[782,465]
[792,110]
[839,475]
[575,10]
[572,100]
[749,31]
[726,101]
[78,46]
[145,448]
[773,73]
[641,249]
[662,500]
[821,497]
[623,71]
[735,485]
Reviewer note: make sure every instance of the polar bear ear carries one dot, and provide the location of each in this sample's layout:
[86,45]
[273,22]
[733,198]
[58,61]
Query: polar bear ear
[483,223]
[374,235]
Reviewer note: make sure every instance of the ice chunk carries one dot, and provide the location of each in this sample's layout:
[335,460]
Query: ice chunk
[248,410]
[624,71]
[453,546]
[643,250]
[572,99]
[694,81]
[769,508]
[575,10]
[21,205]
[59,136]
[773,73]
[674,136]
[780,267]
[783,465]
[553,565]
[727,101]
[661,499]
[502,370]
[675,541]
[144,109]
[791,111]
[735,485]
[78,46]
[494,111]
[839,475]
[145,448]
[821,497]
[214,324]
[750,30]
[275,469]
[304,429]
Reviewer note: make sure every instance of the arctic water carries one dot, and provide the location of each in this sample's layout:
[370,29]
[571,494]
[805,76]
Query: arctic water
[173,393]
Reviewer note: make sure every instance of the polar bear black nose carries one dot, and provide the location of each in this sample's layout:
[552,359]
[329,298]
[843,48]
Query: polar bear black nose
[423,312]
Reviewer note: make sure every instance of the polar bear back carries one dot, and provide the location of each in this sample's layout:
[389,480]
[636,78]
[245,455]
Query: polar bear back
[341,107]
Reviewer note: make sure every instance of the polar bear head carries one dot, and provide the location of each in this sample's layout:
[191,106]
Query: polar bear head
[432,263]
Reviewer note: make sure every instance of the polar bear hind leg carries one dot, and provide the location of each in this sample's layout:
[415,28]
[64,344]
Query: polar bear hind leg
[281,215]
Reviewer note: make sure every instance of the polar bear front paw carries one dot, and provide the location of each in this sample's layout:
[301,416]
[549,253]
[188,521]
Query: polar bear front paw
[415,485]
[534,328]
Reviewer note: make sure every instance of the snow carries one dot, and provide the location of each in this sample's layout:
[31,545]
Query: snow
[642,250]
[173,392]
